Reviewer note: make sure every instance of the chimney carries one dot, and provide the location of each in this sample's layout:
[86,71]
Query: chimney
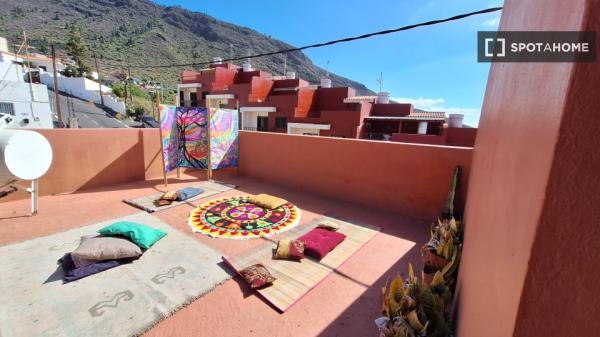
[325,82]
[383,97]
[290,75]
[217,60]
[455,120]
[246,67]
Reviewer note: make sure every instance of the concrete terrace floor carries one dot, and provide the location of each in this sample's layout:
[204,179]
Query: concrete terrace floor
[344,304]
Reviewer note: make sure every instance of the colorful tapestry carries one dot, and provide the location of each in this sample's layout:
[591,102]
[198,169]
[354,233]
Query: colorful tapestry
[236,218]
[193,137]
[185,137]
[223,138]
[168,126]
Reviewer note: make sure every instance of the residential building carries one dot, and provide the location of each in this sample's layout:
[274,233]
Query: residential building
[286,104]
[529,192]
[22,104]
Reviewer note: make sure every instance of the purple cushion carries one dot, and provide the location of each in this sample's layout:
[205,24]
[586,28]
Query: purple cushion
[72,273]
[319,242]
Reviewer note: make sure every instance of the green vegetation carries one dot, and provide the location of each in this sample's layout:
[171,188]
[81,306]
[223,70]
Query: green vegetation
[77,50]
[138,33]
[118,89]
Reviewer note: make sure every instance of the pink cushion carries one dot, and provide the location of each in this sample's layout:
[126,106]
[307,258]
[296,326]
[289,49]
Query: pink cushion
[319,242]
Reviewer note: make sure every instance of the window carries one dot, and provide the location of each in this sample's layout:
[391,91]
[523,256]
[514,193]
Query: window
[181,103]
[7,108]
[281,122]
[193,99]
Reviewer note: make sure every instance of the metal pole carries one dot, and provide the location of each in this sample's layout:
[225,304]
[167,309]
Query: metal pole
[61,124]
[162,150]
[34,196]
[237,107]
[208,115]
[130,81]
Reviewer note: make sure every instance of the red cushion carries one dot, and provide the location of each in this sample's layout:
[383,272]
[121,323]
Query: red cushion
[319,242]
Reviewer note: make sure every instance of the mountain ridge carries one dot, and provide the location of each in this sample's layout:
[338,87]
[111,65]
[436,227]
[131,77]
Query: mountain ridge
[138,33]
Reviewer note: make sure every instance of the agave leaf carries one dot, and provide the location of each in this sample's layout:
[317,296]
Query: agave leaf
[448,267]
[438,278]
[397,289]
[413,320]
[423,331]
[454,225]
[401,333]
[449,248]
[411,274]
[440,247]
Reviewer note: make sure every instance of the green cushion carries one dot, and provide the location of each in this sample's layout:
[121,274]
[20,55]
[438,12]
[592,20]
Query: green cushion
[141,235]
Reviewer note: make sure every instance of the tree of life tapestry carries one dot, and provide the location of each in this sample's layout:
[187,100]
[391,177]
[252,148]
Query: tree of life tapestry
[185,137]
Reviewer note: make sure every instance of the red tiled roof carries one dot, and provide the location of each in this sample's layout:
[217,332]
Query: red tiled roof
[416,115]
[427,115]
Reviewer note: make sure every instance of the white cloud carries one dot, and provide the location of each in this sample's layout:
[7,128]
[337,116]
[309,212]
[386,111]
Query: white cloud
[438,104]
[493,22]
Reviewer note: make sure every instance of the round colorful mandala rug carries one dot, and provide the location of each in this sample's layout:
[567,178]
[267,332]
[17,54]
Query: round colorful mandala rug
[236,218]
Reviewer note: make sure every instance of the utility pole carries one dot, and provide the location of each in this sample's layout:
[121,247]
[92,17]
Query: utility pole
[99,78]
[130,81]
[56,95]
[125,80]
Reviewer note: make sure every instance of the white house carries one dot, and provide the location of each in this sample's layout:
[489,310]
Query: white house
[84,88]
[22,104]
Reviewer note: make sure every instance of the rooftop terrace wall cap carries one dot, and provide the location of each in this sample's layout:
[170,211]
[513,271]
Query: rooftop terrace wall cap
[258,109]
[286,89]
[222,96]
[189,85]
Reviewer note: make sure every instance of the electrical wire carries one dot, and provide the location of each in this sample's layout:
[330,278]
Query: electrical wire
[329,43]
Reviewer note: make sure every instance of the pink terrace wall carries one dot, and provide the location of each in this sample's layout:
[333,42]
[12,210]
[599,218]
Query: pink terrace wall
[88,158]
[529,265]
[407,178]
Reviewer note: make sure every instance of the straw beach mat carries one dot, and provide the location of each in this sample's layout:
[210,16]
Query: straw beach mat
[146,203]
[123,301]
[295,279]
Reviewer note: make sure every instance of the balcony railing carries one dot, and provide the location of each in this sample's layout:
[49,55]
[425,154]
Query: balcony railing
[249,128]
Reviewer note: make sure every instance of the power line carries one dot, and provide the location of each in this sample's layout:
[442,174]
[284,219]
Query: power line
[329,43]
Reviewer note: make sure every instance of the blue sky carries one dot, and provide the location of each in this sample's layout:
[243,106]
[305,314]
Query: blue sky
[434,67]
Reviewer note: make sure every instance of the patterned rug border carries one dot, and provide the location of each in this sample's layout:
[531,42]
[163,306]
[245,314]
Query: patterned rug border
[300,230]
[292,225]
[164,315]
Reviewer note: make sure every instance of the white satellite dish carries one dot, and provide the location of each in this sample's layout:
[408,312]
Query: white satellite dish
[24,155]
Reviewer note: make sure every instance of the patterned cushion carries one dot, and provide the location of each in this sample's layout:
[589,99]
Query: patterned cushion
[188,192]
[167,198]
[319,242]
[141,235]
[171,195]
[257,275]
[73,273]
[266,201]
[290,249]
[329,225]
[99,248]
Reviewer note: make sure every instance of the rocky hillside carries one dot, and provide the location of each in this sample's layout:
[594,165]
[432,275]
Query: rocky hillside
[142,33]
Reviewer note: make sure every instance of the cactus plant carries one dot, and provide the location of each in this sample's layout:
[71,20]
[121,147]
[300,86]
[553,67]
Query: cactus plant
[413,307]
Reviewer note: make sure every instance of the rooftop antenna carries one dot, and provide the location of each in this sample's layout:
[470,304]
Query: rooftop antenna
[284,64]
[380,81]
[231,52]
[327,69]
